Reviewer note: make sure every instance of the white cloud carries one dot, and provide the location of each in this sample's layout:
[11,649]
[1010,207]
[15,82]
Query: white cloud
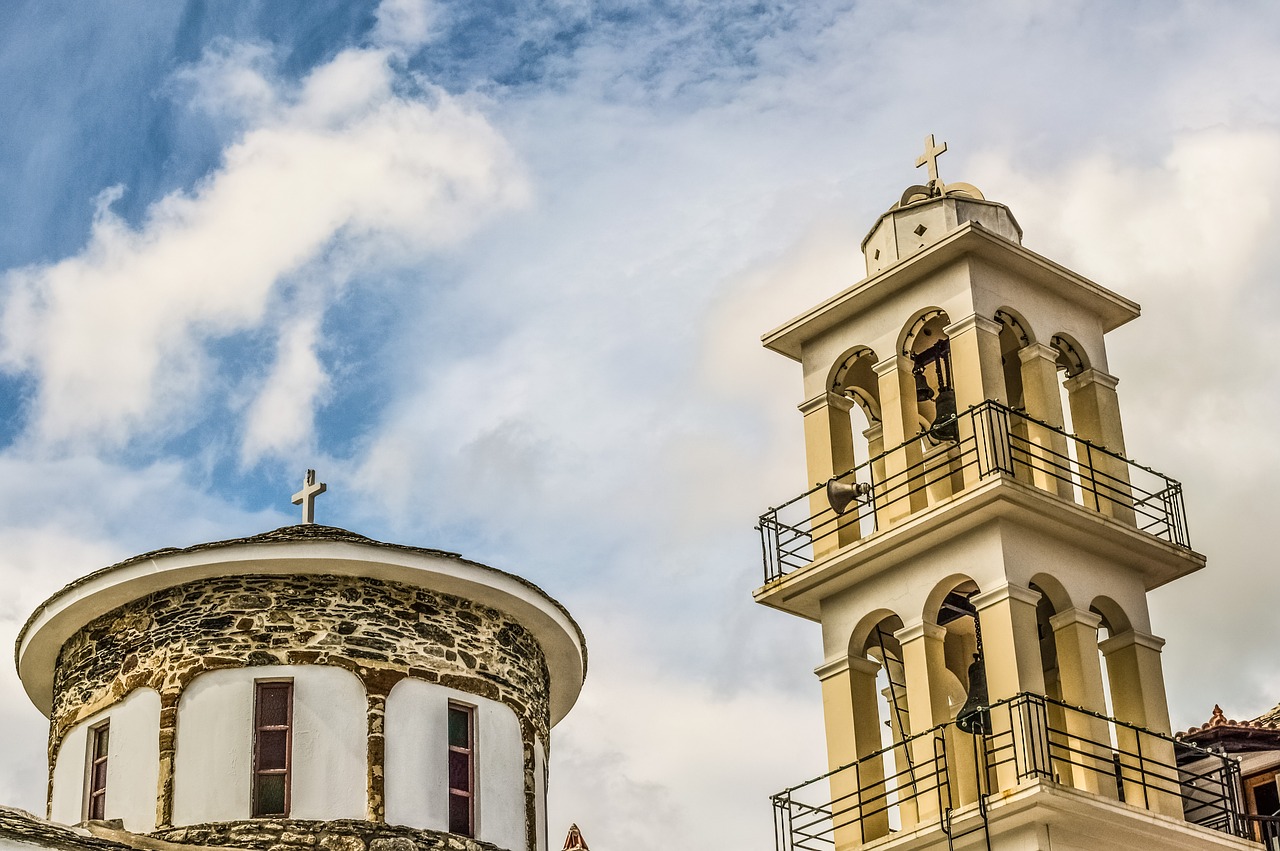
[279,420]
[114,334]
[405,23]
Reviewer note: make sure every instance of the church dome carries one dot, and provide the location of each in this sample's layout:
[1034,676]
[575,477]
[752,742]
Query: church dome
[305,682]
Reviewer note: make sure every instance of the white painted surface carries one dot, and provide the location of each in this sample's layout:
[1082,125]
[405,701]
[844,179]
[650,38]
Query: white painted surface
[133,764]
[417,782]
[214,762]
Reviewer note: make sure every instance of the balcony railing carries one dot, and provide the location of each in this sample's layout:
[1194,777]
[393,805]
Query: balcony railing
[921,781]
[991,440]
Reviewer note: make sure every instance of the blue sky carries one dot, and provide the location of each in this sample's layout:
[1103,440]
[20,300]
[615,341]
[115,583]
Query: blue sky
[498,271]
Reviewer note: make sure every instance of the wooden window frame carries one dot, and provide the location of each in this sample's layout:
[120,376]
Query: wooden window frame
[470,751]
[99,746]
[259,686]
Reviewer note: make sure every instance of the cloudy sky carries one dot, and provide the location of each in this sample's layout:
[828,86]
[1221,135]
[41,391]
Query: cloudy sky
[499,270]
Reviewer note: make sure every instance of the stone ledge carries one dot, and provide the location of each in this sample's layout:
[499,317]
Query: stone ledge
[309,835]
[22,826]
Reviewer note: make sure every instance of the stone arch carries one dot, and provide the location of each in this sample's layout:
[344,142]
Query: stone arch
[949,606]
[1050,587]
[1072,357]
[1114,618]
[864,636]
[853,376]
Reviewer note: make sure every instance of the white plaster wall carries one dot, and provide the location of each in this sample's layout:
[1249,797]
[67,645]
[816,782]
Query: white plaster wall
[133,764]
[417,785]
[214,761]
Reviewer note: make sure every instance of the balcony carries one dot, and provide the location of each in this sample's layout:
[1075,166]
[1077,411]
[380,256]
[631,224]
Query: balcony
[959,783]
[986,441]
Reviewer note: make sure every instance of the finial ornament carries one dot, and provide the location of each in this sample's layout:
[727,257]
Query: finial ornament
[307,496]
[930,156]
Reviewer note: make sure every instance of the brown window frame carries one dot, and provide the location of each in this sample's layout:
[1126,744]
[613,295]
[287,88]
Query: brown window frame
[469,753]
[255,794]
[96,787]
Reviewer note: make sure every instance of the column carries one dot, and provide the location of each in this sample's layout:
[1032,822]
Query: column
[1051,465]
[1138,698]
[1075,636]
[1011,654]
[900,493]
[978,376]
[828,442]
[924,661]
[1095,414]
[851,714]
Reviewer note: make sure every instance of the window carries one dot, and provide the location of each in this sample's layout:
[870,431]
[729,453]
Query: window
[98,740]
[272,735]
[462,769]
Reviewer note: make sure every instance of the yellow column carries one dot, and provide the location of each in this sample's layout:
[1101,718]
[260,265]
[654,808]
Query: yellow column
[875,446]
[1138,697]
[924,661]
[900,492]
[1043,399]
[1075,636]
[1011,655]
[828,443]
[977,374]
[1095,414]
[853,733]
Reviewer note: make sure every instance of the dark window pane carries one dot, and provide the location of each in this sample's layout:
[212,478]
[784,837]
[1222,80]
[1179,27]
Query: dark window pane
[459,727]
[460,814]
[273,704]
[100,776]
[270,798]
[101,737]
[272,745]
[460,771]
[97,807]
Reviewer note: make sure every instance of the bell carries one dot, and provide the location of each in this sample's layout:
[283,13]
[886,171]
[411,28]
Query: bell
[923,391]
[840,494]
[975,717]
[945,426]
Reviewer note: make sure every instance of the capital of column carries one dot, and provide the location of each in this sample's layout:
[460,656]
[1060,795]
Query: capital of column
[1129,639]
[1067,617]
[891,363]
[973,320]
[1005,592]
[921,629]
[875,431]
[1038,351]
[824,399]
[1090,376]
[836,667]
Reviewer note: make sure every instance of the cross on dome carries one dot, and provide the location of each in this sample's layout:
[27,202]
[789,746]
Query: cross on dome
[307,496]
[930,156]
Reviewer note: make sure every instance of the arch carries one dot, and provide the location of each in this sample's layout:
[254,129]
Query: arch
[1055,591]
[943,589]
[1015,333]
[1072,356]
[864,637]
[853,375]
[922,330]
[1017,324]
[1114,618]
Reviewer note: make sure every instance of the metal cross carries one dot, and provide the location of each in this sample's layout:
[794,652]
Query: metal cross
[307,496]
[930,156]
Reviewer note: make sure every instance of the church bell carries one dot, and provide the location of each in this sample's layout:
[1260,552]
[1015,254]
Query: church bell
[975,717]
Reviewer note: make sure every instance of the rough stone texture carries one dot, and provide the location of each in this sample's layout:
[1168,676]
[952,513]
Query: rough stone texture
[302,835]
[22,826]
[382,631]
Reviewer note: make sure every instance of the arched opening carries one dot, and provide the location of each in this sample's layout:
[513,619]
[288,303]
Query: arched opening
[1013,336]
[927,345]
[854,378]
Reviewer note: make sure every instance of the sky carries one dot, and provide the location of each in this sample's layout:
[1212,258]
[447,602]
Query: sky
[498,272]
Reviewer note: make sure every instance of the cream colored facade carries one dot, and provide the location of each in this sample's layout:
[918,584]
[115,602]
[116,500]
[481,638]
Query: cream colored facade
[998,534]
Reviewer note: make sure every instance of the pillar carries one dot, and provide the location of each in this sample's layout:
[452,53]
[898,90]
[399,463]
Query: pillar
[1138,698]
[977,375]
[851,714]
[1011,654]
[898,495]
[1075,636]
[924,662]
[1095,415]
[828,443]
[1051,467]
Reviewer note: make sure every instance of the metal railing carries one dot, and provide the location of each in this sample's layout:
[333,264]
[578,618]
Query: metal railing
[1264,829]
[992,440]
[1032,737]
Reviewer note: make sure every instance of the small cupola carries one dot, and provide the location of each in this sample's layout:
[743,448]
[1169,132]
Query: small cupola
[926,213]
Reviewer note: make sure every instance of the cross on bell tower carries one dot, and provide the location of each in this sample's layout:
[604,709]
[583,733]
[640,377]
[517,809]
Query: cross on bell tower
[979,572]
[307,496]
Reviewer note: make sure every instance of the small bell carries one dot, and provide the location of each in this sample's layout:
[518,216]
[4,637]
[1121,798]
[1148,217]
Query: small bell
[975,717]
[923,391]
[945,426]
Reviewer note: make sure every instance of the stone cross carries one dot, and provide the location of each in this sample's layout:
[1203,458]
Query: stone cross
[307,496]
[930,156]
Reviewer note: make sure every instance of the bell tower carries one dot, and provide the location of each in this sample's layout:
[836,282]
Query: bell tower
[977,548]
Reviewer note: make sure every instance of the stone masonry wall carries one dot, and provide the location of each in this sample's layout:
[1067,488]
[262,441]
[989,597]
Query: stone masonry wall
[303,835]
[382,631]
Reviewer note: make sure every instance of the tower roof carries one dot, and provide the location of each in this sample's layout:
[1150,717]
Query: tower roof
[574,841]
[302,549]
